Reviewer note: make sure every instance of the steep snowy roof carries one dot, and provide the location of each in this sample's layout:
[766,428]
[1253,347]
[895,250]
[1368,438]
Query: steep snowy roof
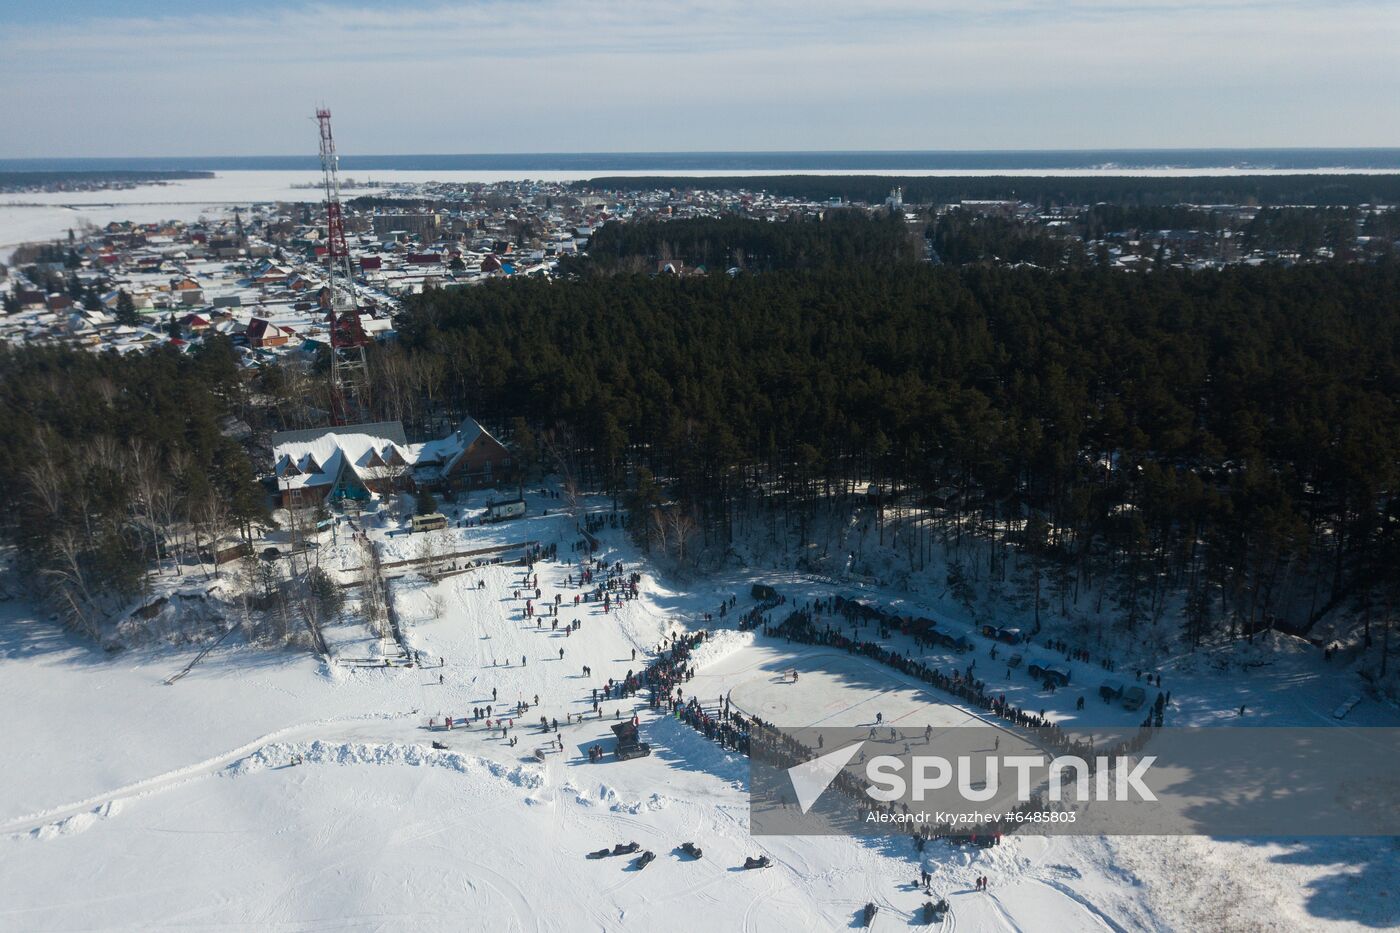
[319,455]
[447,450]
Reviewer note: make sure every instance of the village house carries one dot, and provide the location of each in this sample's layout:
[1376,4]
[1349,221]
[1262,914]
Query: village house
[467,458]
[263,333]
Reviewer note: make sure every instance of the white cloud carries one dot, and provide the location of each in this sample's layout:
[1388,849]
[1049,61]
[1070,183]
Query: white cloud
[554,75]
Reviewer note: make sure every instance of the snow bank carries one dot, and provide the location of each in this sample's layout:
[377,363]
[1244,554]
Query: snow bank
[719,645]
[615,802]
[697,752]
[283,755]
[78,822]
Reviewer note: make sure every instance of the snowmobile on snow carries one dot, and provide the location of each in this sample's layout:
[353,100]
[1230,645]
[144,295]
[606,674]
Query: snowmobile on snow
[627,849]
[440,746]
[600,853]
[868,913]
[645,859]
[933,913]
[761,862]
[691,849]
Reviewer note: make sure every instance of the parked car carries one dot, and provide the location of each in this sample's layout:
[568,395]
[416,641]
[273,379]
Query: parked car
[1133,698]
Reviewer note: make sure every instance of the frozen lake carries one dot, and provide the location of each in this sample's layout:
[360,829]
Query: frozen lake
[27,217]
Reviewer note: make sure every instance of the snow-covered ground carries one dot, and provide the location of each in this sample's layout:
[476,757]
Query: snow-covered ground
[276,791]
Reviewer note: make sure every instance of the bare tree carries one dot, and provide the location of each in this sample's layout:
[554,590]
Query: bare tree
[211,515]
[660,530]
[558,445]
[682,528]
[71,585]
[373,601]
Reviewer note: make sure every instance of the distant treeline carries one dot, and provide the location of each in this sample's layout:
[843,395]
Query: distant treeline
[367,202]
[23,180]
[1041,190]
[1228,439]
[720,243]
[1353,234]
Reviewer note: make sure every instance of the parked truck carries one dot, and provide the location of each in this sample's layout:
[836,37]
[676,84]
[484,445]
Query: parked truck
[506,510]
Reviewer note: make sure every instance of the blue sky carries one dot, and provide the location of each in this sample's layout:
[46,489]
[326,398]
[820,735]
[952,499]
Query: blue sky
[160,77]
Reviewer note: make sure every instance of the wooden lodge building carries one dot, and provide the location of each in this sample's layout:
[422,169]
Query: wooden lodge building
[329,465]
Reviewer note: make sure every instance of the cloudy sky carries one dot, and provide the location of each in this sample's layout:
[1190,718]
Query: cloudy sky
[201,77]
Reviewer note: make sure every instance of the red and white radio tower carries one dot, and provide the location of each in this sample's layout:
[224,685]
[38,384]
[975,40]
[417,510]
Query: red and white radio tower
[349,369]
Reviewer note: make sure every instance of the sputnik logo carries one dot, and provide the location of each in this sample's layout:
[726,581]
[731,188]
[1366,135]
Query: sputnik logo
[815,775]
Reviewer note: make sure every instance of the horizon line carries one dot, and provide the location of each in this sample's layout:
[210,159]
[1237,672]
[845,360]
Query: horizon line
[732,152]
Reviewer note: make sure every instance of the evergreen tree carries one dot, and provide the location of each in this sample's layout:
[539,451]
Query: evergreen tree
[126,309]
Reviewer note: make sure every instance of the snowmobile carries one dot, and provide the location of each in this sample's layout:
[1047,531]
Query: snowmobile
[440,746]
[600,853]
[761,862]
[868,913]
[627,849]
[933,913]
[645,859]
[691,849]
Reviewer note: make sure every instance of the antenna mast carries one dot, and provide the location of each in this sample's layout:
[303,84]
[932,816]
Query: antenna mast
[349,368]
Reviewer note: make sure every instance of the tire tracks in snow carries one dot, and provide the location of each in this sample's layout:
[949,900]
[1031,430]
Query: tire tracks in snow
[1002,913]
[1084,903]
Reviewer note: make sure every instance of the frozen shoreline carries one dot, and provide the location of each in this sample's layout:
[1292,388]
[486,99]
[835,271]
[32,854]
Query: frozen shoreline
[27,217]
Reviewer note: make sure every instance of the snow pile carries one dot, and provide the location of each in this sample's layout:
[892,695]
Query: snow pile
[178,618]
[653,803]
[690,747]
[719,645]
[282,755]
[78,822]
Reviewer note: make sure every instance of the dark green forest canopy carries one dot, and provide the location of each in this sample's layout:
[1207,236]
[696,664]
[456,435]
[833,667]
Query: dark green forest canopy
[1168,429]
[82,431]
[1042,190]
[717,243]
[1253,408]
[1219,365]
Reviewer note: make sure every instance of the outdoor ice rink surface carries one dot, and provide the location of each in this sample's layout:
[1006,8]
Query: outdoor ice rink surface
[836,689]
[833,689]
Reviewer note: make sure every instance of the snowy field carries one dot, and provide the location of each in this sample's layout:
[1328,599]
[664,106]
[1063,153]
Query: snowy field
[274,791]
